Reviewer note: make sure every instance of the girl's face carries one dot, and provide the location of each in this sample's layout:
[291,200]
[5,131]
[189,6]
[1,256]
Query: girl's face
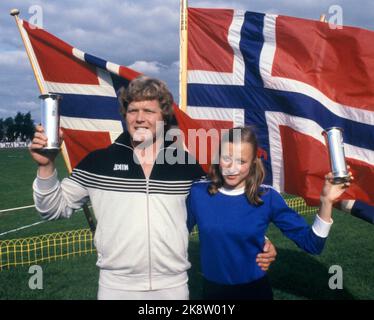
[235,163]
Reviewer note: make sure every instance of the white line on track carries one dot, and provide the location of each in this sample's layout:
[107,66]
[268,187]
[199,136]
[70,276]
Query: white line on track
[15,209]
[21,228]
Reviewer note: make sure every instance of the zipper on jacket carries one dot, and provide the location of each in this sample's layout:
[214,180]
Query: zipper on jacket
[149,238]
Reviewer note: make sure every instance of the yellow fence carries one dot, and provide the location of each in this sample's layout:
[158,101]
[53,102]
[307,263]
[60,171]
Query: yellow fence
[56,246]
[45,248]
[299,205]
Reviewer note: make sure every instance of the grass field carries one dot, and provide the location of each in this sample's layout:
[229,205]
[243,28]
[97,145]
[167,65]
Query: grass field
[295,275]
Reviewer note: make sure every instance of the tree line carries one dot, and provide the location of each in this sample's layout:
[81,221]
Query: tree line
[19,128]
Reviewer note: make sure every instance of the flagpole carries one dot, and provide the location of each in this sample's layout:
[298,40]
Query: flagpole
[15,14]
[183,56]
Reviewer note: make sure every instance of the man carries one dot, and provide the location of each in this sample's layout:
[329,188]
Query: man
[138,199]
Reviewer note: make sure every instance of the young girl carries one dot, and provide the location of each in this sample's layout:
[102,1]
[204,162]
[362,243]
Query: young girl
[233,211]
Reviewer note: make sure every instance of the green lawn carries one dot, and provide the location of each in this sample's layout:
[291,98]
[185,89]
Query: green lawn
[17,172]
[294,275]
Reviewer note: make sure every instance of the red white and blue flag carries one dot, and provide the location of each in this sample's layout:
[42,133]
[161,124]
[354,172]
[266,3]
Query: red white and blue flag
[290,78]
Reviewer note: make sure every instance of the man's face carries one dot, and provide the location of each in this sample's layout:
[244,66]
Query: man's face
[141,119]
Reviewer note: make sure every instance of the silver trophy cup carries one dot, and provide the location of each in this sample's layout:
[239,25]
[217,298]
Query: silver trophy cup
[50,120]
[334,142]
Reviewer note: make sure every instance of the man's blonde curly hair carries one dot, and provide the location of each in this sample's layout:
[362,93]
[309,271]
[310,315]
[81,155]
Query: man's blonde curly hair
[145,88]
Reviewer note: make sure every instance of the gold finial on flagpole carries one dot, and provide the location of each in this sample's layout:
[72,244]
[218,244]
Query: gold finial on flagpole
[14,12]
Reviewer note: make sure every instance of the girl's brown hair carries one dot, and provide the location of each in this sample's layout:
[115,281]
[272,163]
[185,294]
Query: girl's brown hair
[256,173]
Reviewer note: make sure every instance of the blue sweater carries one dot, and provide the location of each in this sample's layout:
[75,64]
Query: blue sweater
[232,231]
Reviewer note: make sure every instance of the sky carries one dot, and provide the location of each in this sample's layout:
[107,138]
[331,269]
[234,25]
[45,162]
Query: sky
[141,34]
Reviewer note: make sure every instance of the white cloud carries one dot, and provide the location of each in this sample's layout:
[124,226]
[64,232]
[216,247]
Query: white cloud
[167,73]
[151,68]
[25,104]
[15,58]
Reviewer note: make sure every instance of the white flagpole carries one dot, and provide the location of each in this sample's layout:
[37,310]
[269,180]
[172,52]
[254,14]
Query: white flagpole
[183,56]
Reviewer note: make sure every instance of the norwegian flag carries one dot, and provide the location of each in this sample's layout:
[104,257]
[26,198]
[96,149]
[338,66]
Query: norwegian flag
[291,78]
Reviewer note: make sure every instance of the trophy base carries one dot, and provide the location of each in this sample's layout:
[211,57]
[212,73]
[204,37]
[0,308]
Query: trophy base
[339,180]
[50,150]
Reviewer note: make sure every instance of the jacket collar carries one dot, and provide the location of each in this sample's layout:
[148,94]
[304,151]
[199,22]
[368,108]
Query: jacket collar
[124,139]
